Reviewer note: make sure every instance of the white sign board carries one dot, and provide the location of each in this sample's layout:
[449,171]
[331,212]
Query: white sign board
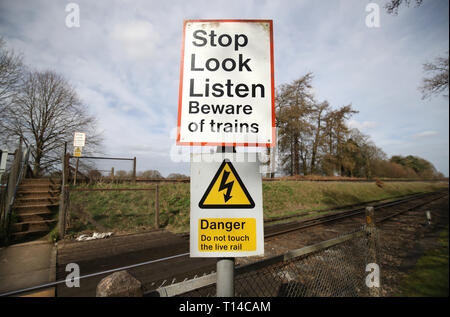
[226,92]
[79,139]
[226,217]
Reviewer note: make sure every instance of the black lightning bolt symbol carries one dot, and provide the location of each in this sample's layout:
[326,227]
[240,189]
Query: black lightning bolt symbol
[224,185]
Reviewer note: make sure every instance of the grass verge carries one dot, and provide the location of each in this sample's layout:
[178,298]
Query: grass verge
[429,277]
[127,211]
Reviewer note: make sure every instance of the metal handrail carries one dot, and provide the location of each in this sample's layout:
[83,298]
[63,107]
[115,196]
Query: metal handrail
[24,162]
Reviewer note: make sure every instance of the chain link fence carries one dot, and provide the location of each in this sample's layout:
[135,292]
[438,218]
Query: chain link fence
[333,268]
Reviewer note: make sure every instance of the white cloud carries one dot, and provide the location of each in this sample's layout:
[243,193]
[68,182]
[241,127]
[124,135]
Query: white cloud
[139,39]
[425,134]
[124,62]
[362,126]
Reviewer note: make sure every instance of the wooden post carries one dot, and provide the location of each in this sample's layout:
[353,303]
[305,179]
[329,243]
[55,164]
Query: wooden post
[66,168]
[112,174]
[157,207]
[372,258]
[134,170]
[76,172]
[62,197]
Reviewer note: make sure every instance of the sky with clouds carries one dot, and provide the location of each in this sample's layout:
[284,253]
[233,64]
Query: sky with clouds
[124,61]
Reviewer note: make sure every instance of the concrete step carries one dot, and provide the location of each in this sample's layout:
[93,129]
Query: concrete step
[33,226]
[37,194]
[34,216]
[43,200]
[38,187]
[42,208]
[42,180]
[18,237]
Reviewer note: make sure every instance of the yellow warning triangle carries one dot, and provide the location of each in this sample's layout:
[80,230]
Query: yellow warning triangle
[77,151]
[226,190]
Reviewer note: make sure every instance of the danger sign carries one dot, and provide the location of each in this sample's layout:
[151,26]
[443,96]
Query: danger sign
[77,151]
[226,190]
[226,205]
[226,84]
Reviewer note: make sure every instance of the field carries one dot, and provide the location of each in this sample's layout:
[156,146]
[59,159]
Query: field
[133,211]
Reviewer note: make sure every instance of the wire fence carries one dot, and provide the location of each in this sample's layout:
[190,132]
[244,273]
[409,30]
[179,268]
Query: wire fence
[333,268]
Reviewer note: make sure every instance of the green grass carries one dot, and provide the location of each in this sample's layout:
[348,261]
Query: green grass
[133,211]
[429,277]
[126,211]
[284,198]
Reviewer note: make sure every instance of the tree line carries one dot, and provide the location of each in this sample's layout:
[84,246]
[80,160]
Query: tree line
[315,139]
[43,109]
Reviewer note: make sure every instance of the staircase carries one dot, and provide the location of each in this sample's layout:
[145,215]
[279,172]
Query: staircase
[35,208]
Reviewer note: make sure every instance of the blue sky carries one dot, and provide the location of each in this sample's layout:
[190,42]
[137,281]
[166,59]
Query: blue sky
[124,61]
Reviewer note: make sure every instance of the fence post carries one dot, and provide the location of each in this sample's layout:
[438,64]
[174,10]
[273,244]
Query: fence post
[372,258]
[66,168]
[134,170]
[76,172]
[62,202]
[157,207]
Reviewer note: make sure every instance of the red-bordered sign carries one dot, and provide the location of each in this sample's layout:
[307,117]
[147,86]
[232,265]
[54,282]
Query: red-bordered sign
[198,91]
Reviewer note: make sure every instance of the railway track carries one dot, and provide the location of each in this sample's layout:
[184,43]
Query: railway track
[277,230]
[187,180]
[178,266]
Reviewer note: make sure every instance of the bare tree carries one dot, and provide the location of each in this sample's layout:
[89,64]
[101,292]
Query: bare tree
[45,113]
[11,70]
[393,5]
[438,83]
[294,104]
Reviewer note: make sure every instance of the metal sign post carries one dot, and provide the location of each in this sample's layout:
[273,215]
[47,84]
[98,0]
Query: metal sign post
[225,266]
[225,277]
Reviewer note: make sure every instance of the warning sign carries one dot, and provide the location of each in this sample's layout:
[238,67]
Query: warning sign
[77,151]
[79,139]
[225,234]
[226,190]
[226,94]
[226,218]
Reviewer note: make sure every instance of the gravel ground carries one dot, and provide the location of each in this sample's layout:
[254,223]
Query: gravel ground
[402,240]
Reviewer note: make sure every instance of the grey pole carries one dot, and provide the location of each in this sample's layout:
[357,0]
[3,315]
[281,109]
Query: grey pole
[225,277]
[225,266]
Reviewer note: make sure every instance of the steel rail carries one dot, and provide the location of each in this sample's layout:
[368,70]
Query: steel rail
[365,203]
[409,209]
[345,214]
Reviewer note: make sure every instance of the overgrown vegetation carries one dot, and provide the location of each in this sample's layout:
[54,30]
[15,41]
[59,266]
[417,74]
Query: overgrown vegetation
[429,277]
[131,211]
